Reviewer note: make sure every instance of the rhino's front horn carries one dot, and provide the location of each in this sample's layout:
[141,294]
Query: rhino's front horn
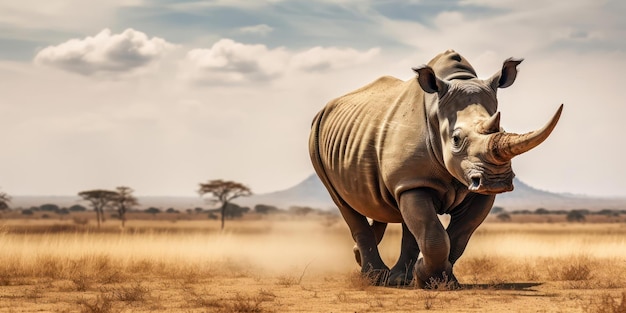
[504,146]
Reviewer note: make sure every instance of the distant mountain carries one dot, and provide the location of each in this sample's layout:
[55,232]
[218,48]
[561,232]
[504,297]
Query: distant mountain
[312,193]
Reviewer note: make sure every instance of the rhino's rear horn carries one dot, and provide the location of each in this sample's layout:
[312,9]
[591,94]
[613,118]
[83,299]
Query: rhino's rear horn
[492,125]
[504,146]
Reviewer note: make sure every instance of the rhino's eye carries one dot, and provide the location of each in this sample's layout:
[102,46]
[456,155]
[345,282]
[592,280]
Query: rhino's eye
[456,140]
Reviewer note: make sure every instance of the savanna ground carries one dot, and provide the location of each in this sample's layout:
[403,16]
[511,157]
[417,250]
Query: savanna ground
[298,265]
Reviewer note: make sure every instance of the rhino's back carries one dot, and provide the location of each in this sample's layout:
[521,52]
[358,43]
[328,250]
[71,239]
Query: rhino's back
[347,143]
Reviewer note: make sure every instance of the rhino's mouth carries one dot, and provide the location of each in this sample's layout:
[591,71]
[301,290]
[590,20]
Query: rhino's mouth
[479,184]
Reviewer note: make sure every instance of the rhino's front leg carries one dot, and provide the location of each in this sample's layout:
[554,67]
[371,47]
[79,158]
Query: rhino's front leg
[372,266]
[419,214]
[464,220]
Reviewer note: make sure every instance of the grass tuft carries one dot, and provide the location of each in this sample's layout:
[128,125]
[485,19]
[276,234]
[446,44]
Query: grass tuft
[102,304]
[133,293]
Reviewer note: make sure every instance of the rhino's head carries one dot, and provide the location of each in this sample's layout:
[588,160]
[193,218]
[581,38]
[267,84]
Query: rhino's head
[475,149]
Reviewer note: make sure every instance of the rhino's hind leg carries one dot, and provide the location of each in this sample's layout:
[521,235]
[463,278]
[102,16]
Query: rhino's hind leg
[372,266]
[379,231]
[402,272]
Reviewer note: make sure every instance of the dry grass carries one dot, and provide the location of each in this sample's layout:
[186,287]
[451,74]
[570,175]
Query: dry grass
[300,265]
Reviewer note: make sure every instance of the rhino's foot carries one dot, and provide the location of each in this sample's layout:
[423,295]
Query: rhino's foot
[400,278]
[436,280]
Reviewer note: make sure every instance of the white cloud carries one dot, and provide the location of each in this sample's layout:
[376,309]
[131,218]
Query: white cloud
[228,61]
[320,58]
[261,29]
[105,53]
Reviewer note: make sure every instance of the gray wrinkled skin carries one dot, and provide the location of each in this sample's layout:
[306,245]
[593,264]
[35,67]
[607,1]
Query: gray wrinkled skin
[404,151]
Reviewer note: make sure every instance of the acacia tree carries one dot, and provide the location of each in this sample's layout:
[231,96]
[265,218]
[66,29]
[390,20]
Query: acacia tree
[4,201]
[99,199]
[223,192]
[124,201]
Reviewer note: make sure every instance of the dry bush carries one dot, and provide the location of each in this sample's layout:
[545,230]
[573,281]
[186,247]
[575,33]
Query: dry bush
[479,268]
[82,281]
[245,304]
[48,266]
[201,299]
[238,304]
[287,280]
[578,269]
[10,272]
[442,284]
[429,298]
[133,293]
[606,303]
[357,281]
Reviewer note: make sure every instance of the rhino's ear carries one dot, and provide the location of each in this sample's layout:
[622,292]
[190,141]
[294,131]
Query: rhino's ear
[429,82]
[506,77]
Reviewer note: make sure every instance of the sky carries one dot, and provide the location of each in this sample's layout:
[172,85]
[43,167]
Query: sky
[162,95]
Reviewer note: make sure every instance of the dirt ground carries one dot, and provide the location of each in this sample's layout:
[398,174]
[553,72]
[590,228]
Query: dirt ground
[302,266]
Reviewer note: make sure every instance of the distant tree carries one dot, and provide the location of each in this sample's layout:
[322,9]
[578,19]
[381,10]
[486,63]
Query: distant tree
[171,210]
[152,210]
[584,211]
[496,210]
[48,207]
[63,211]
[608,212]
[542,211]
[300,210]
[77,208]
[99,200]
[576,216]
[265,209]
[198,210]
[504,217]
[223,192]
[124,202]
[4,201]
[27,212]
[235,211]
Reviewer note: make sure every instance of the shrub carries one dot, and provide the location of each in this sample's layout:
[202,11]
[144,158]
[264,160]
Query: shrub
[265,209]
[504,217]
[77,208]
[575,216]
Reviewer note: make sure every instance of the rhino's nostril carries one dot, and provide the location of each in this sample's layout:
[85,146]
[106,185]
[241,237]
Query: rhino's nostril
[475,181]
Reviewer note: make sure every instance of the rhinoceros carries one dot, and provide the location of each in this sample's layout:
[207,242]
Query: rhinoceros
[405,152]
